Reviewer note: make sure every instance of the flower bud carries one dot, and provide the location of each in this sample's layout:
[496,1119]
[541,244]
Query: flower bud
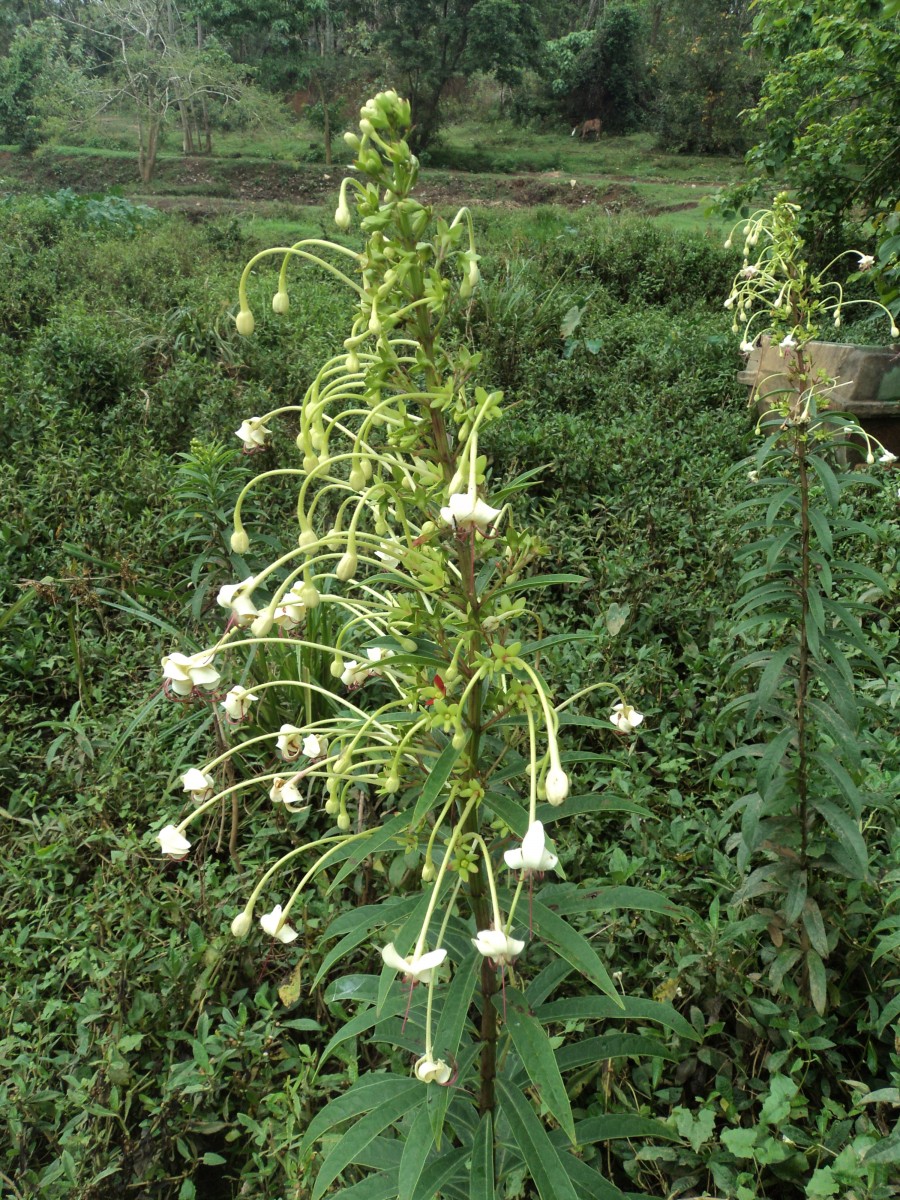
[332,806]
[352,140]
[241,925]
[342,217]
[556,786]
[428,872]
[310,462]
[309,594]
[263,623]
[346,568]
[392,783]
[343,821]
[459,739]
[244,322]
[357,479]
[280,302]
[240,542]
[307,538]
[337,668]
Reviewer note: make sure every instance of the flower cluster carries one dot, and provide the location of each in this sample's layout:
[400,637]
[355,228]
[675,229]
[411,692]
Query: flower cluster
[414,575]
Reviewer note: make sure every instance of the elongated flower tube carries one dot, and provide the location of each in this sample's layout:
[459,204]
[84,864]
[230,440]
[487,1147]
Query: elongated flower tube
[532,855]
[275,926]
[498,946]
[430,1070]
[419,968]
[172,842]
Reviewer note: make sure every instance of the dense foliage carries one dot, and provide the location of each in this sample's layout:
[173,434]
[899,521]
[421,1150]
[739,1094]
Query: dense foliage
[139,1048]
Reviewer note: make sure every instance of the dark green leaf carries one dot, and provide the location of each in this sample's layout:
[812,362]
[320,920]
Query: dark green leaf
[541,1158]
[537,1057]
[434,784]
[481,1178]
[416,1148]
[573,947]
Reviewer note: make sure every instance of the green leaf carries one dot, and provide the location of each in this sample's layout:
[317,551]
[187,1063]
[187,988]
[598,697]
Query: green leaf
[450,1026]
[613,1045]
[380,1186]
[770,762]
[439,1174]
[481,1177]
[357,852]
[615,1126]
[533,1047]
[416,1148]
[566,898]
[818,988]
[885,1151]
[541,1158]
[369,1092]
[574,948]
[434,785]
[598,1008]
[828,479]
[849,836]
[539,581]
[365,1130]
[815,926]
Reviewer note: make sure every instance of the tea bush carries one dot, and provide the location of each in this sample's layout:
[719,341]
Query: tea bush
[140,1053]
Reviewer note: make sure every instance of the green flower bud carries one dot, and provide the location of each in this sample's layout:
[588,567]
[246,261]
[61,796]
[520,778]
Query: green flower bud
[332,806]
[343,821]
[280,302]
[336,668]
[309,594]
[346,567]
[240,543]
[244,322]
[242,924]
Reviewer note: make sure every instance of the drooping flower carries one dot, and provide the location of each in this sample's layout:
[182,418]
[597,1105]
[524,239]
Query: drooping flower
[556,786]
[419,968]
[749,271]
[465,509]
[625,718]
[355,673]
[314,747]
[242,924]
[185,673]
[253,434]
[431,1070]
[285,790]
[887,458]
[200,785]
[291,611]
[532,854]
[498,946]
[866,262]
[235,597]
[172,842]
[290,742]
[276,927]
[237,703]
[788,342]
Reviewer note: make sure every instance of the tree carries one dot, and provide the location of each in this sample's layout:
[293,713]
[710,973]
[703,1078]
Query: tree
[828,117]
[704,77]
[37,82]
[159,64]
[430,42]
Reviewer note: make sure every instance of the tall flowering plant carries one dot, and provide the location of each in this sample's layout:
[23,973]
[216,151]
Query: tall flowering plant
[439,737]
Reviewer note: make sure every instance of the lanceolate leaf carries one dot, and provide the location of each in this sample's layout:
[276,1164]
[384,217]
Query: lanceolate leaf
[541,1158]
[434,784]
[573,947]
[416,1148]
[450,1026]
[363,1131]
[856,855]
[536,1053]
[369,1092]
[613,1045]
[481,1178]
[599,1008]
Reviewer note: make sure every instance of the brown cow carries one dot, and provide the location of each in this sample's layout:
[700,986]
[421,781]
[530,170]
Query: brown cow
[592,126]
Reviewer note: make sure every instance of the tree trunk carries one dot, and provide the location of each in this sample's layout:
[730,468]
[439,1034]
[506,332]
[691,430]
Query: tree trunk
[148,148]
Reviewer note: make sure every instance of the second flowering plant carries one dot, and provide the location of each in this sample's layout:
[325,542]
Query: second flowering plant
[438,737]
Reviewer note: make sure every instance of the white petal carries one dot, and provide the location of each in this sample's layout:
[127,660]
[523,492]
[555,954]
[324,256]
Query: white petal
[392,959]
[172,842]
[514,858]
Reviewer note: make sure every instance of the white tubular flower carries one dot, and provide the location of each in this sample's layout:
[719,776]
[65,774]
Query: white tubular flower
[173,843]
[789,342]
[465,509]
[531,855]
[417,968]
[253,433]
[866,262]
[625,718]
[286,791]
[746,347]
[354,674]
[291,611]
[187,672]
[887,458]
[275,927]
[314,747]
[290,742]
[241,925]
[498,946]
[237,703]
[556,786]
[235,597]
[430,1070]
[388,559]
[749,271]
[200,786]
